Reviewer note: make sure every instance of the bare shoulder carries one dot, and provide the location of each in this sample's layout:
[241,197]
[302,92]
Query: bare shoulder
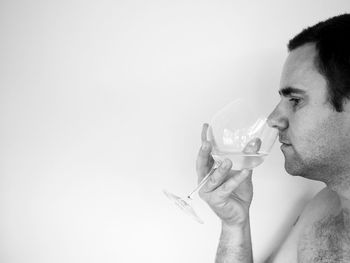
[314,209]
[324,197]
[323,203]
[325,235]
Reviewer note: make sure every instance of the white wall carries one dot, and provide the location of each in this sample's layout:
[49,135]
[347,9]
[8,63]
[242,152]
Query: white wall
[101,107]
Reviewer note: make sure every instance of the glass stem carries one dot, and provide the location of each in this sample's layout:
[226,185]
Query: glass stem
[204,180]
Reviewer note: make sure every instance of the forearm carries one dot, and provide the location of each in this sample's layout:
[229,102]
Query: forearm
[235,245]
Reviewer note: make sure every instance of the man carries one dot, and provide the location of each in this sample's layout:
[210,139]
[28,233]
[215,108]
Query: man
[313,120]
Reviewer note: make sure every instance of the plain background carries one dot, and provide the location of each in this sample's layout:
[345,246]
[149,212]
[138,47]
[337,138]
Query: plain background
[101,107]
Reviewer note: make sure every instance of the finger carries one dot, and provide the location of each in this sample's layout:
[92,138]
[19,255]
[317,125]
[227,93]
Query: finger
[204,132]
[228,187]
[218,177]
[253,146]
[203,163]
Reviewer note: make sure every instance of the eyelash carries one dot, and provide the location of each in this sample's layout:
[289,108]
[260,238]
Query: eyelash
[295,101]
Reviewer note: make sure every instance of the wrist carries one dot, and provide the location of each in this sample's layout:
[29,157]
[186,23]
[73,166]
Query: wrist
[235,243]
[236,224]
[229,227]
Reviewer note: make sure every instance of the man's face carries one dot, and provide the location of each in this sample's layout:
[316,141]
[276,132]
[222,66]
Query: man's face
[315,138]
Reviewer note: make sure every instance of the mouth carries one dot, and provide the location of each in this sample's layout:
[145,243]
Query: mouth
[284,143]
[283,138]
[285,146]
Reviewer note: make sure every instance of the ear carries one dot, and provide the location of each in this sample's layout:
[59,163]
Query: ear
[345,105]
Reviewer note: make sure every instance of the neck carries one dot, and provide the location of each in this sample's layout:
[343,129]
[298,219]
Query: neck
[343,191]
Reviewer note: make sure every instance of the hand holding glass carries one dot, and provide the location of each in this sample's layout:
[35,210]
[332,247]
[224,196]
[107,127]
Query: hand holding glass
[237,133]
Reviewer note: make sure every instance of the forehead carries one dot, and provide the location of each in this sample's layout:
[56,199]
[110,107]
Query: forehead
[300,72]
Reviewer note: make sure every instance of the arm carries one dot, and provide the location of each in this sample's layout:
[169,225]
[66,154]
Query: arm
[229,194]
[235,244]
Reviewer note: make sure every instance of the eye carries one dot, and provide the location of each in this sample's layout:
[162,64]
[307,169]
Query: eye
[295,101]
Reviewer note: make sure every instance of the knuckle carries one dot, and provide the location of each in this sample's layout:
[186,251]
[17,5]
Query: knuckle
[226,165]
[213,179]
[216,177]
[206,146]
[202,154]
[224,168]
[214,201]
[228,186]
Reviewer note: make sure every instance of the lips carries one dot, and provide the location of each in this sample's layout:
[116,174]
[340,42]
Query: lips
[284,141]
[284,146]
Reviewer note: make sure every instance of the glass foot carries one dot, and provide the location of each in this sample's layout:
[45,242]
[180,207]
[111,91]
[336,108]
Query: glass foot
[184,205]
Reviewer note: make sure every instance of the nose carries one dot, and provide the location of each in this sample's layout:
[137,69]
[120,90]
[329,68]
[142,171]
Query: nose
[278,119]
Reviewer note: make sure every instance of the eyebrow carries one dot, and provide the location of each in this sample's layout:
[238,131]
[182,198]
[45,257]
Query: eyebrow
[290,90]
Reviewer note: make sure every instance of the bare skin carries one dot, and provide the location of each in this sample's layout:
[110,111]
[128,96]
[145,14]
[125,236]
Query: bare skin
[229,194]
[315,141]
[321,233]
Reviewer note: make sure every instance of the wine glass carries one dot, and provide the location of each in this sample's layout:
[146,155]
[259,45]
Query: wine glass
[231,132]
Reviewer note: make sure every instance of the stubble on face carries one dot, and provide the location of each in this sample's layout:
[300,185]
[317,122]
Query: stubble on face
[318,134]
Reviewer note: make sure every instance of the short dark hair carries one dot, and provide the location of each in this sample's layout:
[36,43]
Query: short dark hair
[332,41]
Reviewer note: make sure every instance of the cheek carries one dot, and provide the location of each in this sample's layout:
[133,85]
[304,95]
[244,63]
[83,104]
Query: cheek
[311,134]
[318,139]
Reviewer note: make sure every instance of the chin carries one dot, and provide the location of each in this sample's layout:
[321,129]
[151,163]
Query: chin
[295,170]
[291,169]
[296,167]
[310,174]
